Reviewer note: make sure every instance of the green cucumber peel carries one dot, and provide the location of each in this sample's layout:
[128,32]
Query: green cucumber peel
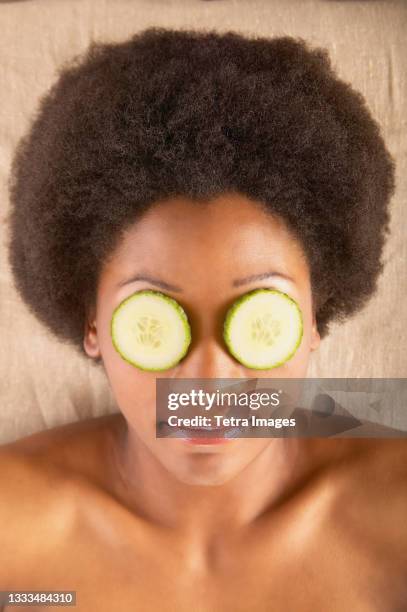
[149,327]
[236,308]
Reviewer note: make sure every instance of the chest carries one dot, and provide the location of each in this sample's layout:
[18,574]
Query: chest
[286,572]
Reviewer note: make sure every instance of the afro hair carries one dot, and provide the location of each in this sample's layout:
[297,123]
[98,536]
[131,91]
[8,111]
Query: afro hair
[196,113]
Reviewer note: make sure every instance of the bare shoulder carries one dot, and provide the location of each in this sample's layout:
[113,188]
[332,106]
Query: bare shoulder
[39,479]
[378,467]
[372,494]
[65,450]
[34,511]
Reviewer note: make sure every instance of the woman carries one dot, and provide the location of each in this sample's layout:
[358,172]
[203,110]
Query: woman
[203,166]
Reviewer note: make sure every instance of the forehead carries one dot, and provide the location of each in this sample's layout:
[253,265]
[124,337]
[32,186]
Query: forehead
[187,241]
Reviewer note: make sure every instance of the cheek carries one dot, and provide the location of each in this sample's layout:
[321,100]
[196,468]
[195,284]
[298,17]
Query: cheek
[297,366]
[135,394]
[134,390]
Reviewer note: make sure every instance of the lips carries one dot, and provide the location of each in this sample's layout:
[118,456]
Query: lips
[203,433]
[207,436]
[198,430]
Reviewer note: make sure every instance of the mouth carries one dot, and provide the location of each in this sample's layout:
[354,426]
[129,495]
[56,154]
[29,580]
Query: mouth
[207,435]
[203,435]
[200,433]
[215,432]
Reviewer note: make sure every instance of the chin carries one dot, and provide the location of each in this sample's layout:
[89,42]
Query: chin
[205,470]
[204,480]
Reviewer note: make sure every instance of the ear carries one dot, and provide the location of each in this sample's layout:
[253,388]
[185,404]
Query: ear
[315,337]
[90,338]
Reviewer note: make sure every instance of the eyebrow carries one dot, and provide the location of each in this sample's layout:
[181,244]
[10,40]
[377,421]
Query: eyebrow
[255,277]
[153,281]
[235,283]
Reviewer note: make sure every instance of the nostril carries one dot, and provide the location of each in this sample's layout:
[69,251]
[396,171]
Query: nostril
[209,359]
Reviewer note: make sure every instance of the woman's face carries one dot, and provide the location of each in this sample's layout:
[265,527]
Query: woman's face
[204,257]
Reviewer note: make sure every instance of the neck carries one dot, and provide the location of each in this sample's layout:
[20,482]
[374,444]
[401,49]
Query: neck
[155,493]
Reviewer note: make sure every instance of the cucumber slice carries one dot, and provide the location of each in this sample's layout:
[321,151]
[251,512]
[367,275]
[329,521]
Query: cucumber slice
[263,328]
[150,330]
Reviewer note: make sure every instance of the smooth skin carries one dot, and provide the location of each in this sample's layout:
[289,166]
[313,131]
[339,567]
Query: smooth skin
[135,522]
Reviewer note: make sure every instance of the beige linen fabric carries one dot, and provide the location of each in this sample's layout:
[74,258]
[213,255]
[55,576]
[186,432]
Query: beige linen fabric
[44,383]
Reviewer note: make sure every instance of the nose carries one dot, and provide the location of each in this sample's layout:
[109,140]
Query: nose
[208,359]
